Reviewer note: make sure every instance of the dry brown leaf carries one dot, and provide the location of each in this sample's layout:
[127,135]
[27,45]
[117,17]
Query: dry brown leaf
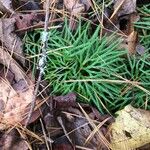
[132,41]
[76,8]
[10,39]
[6,6]
[127,7]
[14,99]
[12,141]
[131,129]
[134,17]
[25,21]
[7,60]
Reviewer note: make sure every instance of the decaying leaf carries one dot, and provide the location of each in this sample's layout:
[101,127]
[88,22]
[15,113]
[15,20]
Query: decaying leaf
[25,21]
[28,4]
[6,6]
[10,39]
[65,101]
[64,113]
[76,7]
[124,7]
[131,42]
[14,101]
[131,129]
[12,141]
[7,60]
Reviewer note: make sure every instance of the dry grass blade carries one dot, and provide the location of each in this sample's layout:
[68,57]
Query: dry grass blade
[25,131]
[117,9]
[100,135]
[96,130]
[134,83]
[24,137]
[45,137]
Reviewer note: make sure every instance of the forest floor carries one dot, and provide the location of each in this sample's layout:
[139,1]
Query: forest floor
[75,74]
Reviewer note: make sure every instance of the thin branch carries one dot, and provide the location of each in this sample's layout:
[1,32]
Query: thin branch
[42,62]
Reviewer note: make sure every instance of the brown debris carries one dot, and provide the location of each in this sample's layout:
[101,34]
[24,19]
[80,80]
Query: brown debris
[76,8]
[12,141]
[68,116]
[126,7]
[6,6]
[12,42]
[16,95]
[124,18]
[25,21]
[65,101]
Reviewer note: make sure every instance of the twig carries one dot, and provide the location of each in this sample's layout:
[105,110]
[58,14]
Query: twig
[63,127]
[42,62]
[45,137]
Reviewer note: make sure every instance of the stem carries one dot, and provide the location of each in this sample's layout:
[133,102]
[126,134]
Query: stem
[42,62]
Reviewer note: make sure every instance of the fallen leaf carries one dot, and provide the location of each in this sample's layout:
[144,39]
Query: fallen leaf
[65,101]
[127,27]
[134,17]
[7,60]
[25,21]
[6,74]
[64,113]
[10,39]
[62,144]
[126,7]
[131,129]
[6,6]
[76,8]
[12,141]
[132,41]
[14,99]
[28,5]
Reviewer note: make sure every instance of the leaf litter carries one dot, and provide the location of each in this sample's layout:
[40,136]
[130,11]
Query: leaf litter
[70,124]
